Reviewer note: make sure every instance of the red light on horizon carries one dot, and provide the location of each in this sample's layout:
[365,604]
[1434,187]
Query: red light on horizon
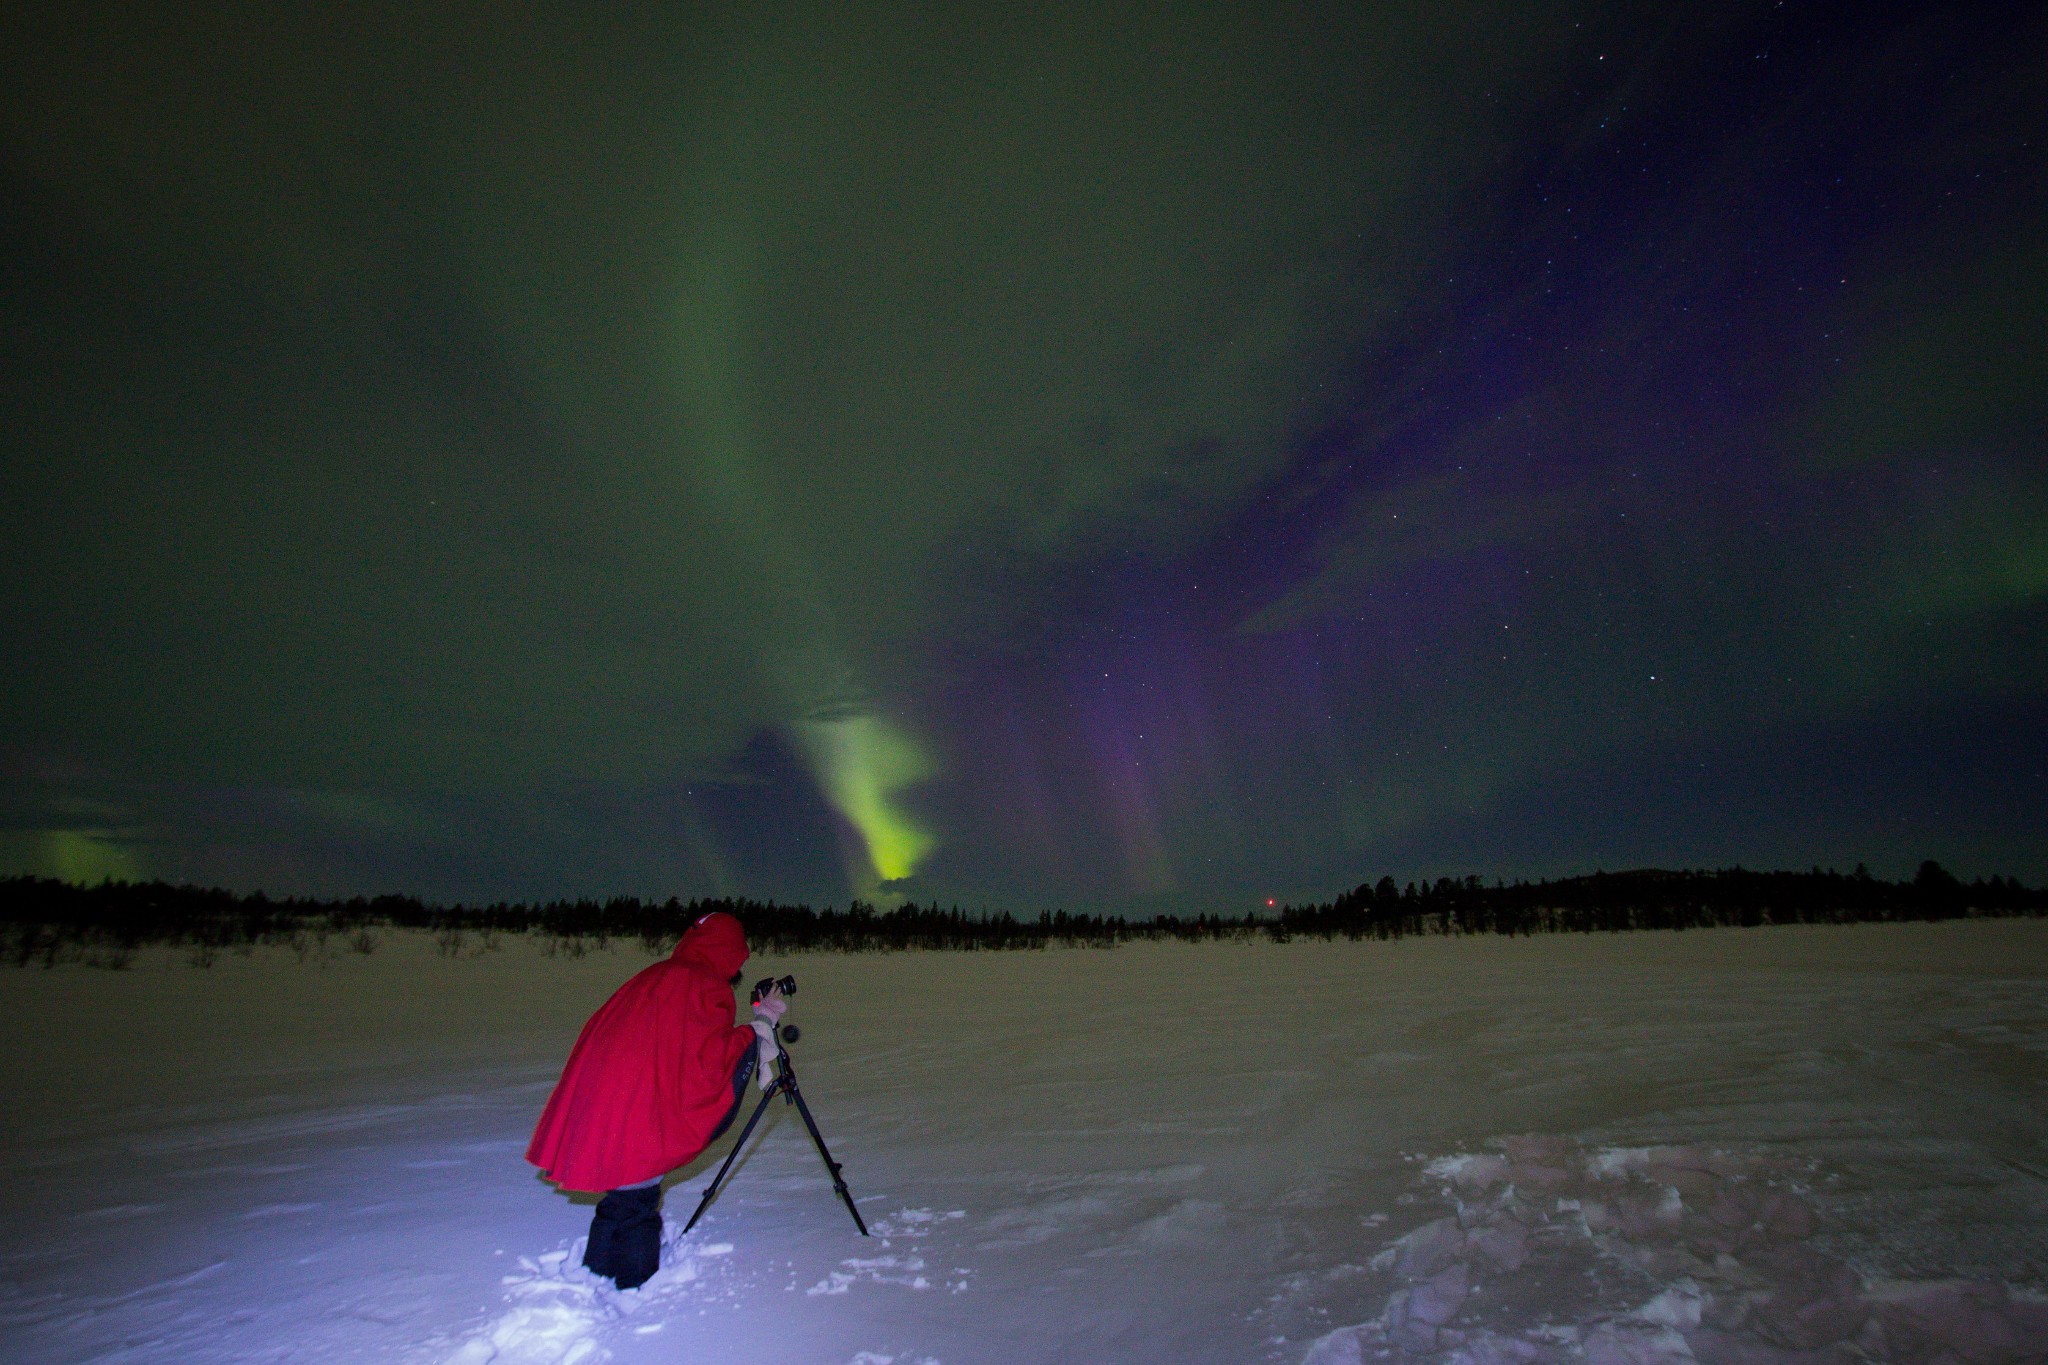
[1269,900]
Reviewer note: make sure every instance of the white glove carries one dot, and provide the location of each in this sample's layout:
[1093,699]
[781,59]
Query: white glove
[764,1053]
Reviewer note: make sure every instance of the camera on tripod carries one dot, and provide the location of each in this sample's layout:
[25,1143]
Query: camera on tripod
[783,1084]
[789,1033]
[768,983]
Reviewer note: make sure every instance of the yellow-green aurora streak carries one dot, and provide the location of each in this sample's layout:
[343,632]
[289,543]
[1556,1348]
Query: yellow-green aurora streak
[861,760]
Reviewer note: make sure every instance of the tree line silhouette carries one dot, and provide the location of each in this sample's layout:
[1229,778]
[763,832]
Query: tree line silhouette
[42,920]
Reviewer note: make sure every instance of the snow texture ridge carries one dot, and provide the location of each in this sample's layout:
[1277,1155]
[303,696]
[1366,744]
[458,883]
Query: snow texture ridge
[1677,1256]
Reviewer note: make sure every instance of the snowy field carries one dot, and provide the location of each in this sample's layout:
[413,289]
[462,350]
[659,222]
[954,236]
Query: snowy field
[1740,1147]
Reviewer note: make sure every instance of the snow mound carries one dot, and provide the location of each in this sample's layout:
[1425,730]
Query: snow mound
[1557,1255]
[553,1320]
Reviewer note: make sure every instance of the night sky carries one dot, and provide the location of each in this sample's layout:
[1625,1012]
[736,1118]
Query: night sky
[1020,456]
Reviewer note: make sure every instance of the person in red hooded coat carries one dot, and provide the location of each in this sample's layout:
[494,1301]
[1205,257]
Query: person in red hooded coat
[655,1076]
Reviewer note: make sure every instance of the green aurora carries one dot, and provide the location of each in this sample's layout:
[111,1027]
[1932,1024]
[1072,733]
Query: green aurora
[1125,459]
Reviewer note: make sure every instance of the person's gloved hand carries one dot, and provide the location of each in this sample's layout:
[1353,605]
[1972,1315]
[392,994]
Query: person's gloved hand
[771,1007]
[764,1052]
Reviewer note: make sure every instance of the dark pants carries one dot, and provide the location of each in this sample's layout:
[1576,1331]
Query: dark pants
[625,1232]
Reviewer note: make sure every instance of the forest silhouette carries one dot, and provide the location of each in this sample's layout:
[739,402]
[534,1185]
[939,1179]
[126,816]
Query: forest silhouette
[47,921]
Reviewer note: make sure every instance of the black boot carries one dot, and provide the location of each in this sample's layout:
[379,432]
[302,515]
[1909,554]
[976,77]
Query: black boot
[625,1236]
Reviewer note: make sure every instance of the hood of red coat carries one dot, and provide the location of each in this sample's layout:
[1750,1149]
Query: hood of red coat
[716,942]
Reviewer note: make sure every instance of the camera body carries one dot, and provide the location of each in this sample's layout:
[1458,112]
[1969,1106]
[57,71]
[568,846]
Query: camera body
[787,985]
[769,983]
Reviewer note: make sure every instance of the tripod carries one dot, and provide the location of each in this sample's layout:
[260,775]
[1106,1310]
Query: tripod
[785,1086]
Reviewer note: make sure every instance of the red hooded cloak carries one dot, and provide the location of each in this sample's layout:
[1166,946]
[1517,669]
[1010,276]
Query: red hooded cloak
[651,1074]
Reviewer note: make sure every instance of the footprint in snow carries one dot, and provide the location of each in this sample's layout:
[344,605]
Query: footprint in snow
[906,1268]
[559,1311]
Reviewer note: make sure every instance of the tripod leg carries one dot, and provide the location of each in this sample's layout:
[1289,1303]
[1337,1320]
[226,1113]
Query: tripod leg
[838,1180]
[711,1190]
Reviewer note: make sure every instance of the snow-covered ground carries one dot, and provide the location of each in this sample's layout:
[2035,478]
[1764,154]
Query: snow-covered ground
[1790,1145]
